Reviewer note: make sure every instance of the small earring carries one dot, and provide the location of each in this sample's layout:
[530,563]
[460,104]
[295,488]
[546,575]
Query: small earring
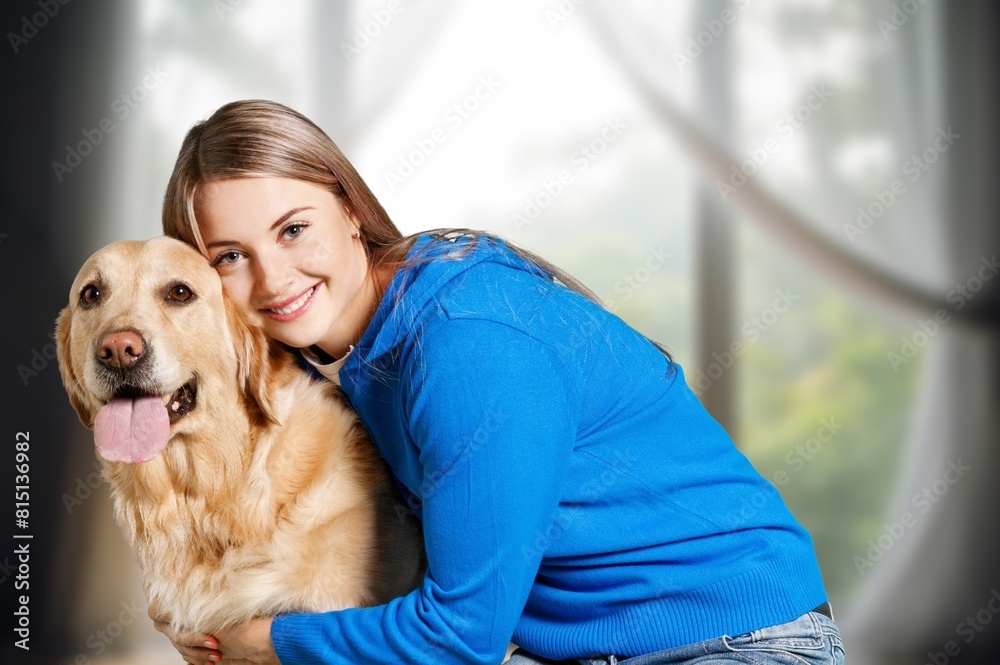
[356,234]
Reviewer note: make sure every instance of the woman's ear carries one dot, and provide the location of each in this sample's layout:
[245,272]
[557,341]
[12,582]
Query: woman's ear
[256,363]
[64,357]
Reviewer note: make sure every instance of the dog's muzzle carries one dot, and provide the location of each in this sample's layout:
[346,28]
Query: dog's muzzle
[134,424]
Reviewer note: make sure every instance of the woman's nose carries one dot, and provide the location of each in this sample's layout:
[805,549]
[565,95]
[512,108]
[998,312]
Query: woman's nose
[271,278]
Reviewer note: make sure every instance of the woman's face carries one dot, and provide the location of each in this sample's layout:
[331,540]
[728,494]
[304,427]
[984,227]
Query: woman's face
[287,258]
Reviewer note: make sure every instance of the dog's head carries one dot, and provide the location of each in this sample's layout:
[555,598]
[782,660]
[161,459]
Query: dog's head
[146,338]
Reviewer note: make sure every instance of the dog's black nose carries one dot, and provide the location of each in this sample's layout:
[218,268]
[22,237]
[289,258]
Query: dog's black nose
[121,350]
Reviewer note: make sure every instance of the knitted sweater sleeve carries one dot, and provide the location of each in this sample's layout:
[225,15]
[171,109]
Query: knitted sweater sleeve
[492,412]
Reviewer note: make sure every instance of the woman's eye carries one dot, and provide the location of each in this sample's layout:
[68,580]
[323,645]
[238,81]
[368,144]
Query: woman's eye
[294,230]
[228,257]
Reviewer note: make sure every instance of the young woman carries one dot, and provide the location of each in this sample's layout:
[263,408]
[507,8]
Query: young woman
[576,498]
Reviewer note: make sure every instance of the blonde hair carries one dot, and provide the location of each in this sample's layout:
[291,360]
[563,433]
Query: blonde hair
[260,138]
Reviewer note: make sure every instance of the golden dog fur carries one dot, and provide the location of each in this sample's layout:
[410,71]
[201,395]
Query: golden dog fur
[269,497]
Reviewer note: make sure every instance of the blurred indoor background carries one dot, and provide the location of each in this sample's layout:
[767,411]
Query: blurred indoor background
[797,197]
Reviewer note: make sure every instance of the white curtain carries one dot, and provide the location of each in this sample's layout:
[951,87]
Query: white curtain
[923,68]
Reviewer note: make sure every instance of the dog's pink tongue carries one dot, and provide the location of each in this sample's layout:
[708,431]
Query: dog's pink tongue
[131,430]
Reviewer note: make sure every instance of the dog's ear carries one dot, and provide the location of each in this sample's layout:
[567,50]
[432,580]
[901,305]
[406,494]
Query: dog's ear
[64,357]
[255,362]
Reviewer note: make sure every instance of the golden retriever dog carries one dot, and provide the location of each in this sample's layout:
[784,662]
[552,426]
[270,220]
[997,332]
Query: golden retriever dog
[245,487]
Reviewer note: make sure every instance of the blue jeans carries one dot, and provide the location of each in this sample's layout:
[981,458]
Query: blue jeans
[812,639]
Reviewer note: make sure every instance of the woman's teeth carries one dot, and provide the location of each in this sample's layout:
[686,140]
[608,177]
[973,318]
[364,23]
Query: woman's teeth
[301,300]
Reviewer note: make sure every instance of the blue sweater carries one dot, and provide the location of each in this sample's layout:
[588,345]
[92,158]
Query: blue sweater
[576,497]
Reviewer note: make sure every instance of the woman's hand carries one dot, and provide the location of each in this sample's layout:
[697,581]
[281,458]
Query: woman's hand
[194,648]
[251,642]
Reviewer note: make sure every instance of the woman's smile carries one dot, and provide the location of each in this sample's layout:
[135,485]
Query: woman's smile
[292,308]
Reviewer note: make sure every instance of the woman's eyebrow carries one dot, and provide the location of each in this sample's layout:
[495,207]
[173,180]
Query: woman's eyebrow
[276,224]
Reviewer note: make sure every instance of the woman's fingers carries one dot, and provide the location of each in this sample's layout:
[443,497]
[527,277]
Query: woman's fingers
[195,648]
[185,639]
[198,655]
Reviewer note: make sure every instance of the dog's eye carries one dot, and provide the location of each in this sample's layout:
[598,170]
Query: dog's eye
[90,295]
[180,293]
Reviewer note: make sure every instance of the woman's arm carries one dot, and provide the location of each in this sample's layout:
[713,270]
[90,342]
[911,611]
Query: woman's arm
[495,423]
